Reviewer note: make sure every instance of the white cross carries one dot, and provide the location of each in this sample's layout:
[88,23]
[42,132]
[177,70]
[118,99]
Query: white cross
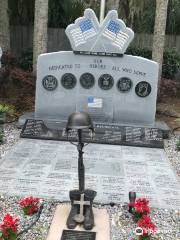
[82,203]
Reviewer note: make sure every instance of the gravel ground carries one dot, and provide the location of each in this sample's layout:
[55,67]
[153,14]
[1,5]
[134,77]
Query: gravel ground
[122,225]
[173,155]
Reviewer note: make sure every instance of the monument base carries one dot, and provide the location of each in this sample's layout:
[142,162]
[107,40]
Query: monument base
[101,228]
[161,125]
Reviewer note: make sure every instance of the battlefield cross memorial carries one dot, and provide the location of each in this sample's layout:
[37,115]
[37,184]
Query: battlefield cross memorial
[118,92]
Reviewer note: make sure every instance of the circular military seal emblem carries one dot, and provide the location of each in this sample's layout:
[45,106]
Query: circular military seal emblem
[106,82]
[68,81]
[143,89]
[87,80]
[124,84]
[50,83]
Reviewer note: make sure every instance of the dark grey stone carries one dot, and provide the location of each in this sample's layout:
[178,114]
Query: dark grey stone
[124,84]
[143,89]
[78,235]
[104,133]
[87,80]
[57,124]
[68,81]
[50,83]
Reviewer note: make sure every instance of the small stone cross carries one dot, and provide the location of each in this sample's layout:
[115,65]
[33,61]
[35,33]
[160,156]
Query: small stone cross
[80,217]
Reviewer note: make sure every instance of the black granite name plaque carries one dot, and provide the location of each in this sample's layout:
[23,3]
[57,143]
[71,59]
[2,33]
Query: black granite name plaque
[77,235]
[104,133]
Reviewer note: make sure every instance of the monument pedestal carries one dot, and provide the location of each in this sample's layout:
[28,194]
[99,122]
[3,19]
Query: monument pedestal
[101,227]
[54,124]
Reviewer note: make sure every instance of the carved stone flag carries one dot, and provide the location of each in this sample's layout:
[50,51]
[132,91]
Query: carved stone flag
[83,32]
[87,35]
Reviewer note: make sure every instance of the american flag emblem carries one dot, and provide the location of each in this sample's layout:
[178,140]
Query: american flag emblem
[115,34]
[83,32]
[95,102]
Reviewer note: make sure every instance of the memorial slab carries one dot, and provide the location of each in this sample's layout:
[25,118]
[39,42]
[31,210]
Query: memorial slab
[48,169]
[104,133]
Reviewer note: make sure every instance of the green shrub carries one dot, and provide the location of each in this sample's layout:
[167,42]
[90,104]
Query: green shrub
[1,136]
[17,72]
[171,60]
[6,112]
[146,53]
[25,61]
[178,144]
[171,64]
[4,108]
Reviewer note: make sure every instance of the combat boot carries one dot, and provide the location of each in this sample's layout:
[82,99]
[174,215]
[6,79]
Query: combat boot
[88,212]
[74,195]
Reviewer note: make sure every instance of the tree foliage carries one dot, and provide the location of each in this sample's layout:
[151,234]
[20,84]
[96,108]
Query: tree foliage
[64,12]
[131,9]
[144,22]
[173,17]
[138,14]
[21,12]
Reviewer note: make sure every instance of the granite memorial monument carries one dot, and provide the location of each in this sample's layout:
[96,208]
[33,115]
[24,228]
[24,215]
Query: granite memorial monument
[97,77]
